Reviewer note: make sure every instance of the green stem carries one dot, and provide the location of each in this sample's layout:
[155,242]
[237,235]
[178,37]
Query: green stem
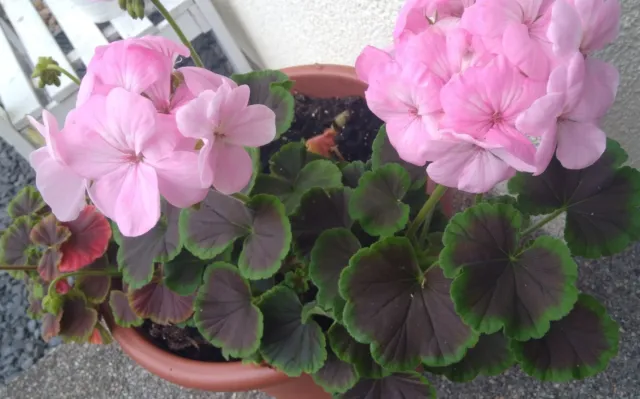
[427,210]
[478,198]
[111,272]
[543,222]
[167,15]
[63,71]
[19,268]
[241,197]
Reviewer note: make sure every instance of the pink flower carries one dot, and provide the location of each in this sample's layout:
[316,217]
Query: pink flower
[584,25]
[114,144]
[406,98]
[226,124]
[418,15]
[61,188]
[370,60]
[517,29]
[579,93]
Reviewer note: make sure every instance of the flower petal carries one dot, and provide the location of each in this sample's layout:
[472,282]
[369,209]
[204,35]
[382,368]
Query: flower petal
[541,116]
[565,29]
[599,91]
[580,144]
[483,171]
[254,127]
[132,122]
[200,79]
[192,118]
[546,150]
[104,192]
[369,59]
[525,52]
[233,169]
[601,19]
[138,206]
[207,162]
[179,180]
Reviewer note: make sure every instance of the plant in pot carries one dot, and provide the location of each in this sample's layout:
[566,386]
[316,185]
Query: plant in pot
[302,258]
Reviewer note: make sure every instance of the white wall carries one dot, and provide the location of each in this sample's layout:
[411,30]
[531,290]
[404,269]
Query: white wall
[293,32]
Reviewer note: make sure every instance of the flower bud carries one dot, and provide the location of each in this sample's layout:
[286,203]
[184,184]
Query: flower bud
[48,76]
[135,8]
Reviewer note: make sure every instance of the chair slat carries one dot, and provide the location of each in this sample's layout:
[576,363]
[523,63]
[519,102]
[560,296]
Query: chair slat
[128,27]
[189,26]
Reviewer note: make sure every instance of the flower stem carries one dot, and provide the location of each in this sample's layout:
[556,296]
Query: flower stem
[107,272]
[427,210]
[19,268]
[543,221]
[53,67]
[241,197]
[167,15]
[478,198]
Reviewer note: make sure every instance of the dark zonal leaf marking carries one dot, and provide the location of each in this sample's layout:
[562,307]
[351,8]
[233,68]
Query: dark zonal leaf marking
[319,210]
[497,284]
[384,153]
[489,357]
[16,248]
[376,202]
[269,240]
[336,376]
[602,202]
[28,202]
[408,319]
[351,351]
[157,302]
[50,326]
[330,255]
[352,172]
[576,347]
[78,319]
[287,343]
[400,386]
[290,160]
[137,255]
[225,314]
[121,309]
[49,263]
[49,233]
[95,288]
[90,235]
[183,274]
[271,88]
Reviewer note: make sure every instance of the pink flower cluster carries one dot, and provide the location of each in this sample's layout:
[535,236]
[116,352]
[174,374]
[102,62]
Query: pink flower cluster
[142,130]
[482,88]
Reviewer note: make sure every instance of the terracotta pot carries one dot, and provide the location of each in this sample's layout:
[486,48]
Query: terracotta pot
[314,80]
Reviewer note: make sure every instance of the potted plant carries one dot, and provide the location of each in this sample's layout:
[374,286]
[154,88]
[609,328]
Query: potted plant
[308,267]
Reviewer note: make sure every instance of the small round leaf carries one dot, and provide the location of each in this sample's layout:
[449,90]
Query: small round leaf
[28,202]
[351,351]
[336,376]
[121,309]
[401,385]
[157,302]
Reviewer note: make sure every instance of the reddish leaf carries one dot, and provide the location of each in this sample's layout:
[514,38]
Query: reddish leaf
[95,288]
[49,263]
[16,248]
[63,287]
[121,309]
[157,302]
[77,320]
[50,326]
[49,232]
[90,234]
[35,307]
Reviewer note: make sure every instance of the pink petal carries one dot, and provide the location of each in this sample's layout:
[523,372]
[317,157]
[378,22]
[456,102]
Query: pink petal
[568,79]
[546,150]
[525,52]
[200,79]
[599,91]
[484,170]
[370,59]
[235,101]
[131,67]
[565,29]
[61,189]
[233,169]
[104,192]
[166,47]
[91,85]
[138,206]
[580,144]
[193,119]
[541,116]
[132,122]
[48,129]
[411,137]
[255,126]
[179,179]
[207,162]
[601,21]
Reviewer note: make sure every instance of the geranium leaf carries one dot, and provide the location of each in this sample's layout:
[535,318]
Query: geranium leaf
[489,357]
[90,235]
[49,264]
[122,311]
[405,314]
[225,314]
[377,201]
[384,153]
[320,210]
[401,385]
[28,202]
[95,288]
[578,346]
[78,319]
[137,255]
[35,309]
[50,326]
[351,351]
[269,240]
[16,248]
[500,284]
[602,202]
[157,302]
[287,343]
[183,274]
[319,173]
[290,159]
[352,172]
[49,233]
[221,220]
[330,255]
[270,88]
[336,376]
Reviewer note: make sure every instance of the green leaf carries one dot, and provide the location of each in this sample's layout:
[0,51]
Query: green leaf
[95,288]
[602,202]
[50,326]
[336,376]
[489,357]
[49,233]
[28,202]
[319,210]
[290,159]
[183,274]
[287,343]
[407,316]
[578,346]
[157,302]
[137,255]
[384,153]
[377,201]
[16,248]
[352,172]
[78,319]
[225,315]
[351,351]
[270,88]
[122,311]
[401,385]
[500,284]
[330,255]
